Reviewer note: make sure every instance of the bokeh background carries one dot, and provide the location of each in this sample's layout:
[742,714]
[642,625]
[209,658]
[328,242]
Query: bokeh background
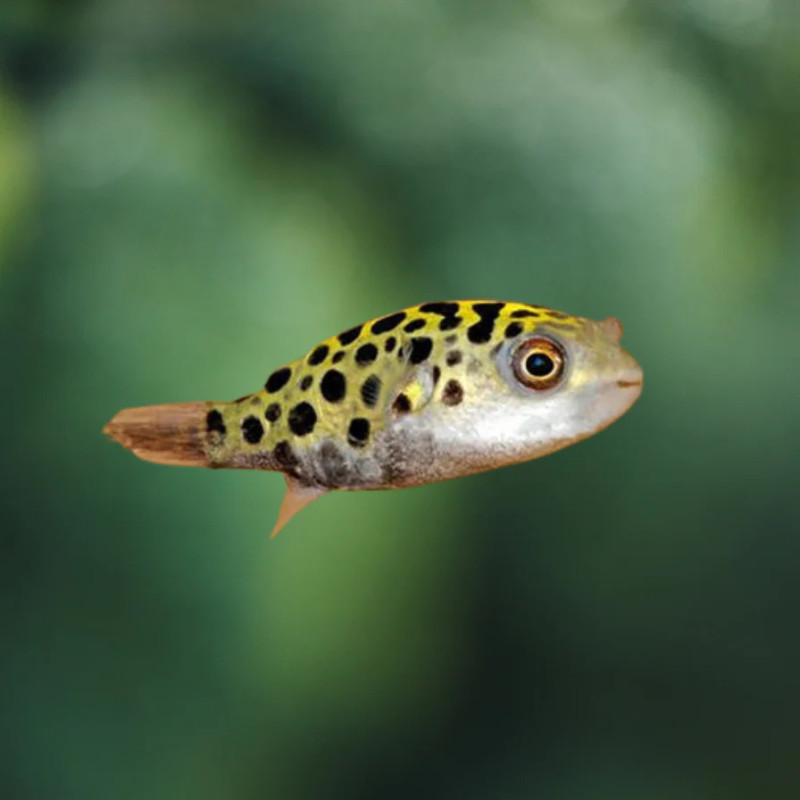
[194,193]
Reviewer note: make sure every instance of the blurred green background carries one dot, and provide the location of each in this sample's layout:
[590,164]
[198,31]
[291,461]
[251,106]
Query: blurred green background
[194,193]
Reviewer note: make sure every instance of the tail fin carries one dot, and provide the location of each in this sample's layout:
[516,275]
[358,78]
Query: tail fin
[165,434]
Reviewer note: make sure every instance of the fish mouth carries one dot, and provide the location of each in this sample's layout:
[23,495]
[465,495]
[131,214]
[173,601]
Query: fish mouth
[625,384]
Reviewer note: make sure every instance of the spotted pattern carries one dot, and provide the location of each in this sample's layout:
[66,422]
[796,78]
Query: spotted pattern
[333,386]
[358,432]
[318,355]
[481,331]
[414,325]
[370,391]
[278,380]
[331,402]
[401,404]
[448,312]
[349,336]
[512,330]
[215,423]
[252,430]
[302,419]
[366,354]
[420,349]
[453,393]
[385,324]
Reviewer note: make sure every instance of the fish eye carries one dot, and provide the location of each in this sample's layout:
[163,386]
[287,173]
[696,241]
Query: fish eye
[539,363]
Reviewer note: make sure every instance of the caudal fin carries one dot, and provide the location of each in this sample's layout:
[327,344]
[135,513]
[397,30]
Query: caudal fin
[165,434]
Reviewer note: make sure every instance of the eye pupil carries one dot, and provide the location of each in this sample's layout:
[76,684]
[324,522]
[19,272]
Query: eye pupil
[539,364]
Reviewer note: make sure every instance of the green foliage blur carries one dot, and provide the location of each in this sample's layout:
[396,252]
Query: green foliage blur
[194,193]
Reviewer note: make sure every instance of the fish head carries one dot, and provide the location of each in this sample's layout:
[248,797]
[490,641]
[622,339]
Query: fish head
[558,380]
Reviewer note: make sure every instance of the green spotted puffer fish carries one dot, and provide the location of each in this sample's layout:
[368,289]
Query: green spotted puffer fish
[433,392]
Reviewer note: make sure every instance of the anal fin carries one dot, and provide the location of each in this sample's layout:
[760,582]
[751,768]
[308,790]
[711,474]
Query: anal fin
[297,496]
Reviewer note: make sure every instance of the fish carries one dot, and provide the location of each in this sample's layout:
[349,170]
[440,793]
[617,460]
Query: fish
[436,391]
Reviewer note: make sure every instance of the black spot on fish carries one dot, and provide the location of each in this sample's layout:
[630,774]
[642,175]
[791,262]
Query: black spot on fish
[338,356]
[285,455]
[366,354]
[437,373]
[252,430]
[318,355]
[302,419]
[358,432]
[448,323]
[453,358]
[306,382]
[443,309]
[523,312]
[215,423]
[278,379]
[385,324]
[481,331]
[401,405]
[273,412]
[420,349]
[389,344]
[370,391]
[414,325]
[333,386]
[514,329]
[453,393]
[346,337]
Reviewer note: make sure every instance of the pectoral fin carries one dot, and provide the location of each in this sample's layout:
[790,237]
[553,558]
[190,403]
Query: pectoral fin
[297,496]
[414,390]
